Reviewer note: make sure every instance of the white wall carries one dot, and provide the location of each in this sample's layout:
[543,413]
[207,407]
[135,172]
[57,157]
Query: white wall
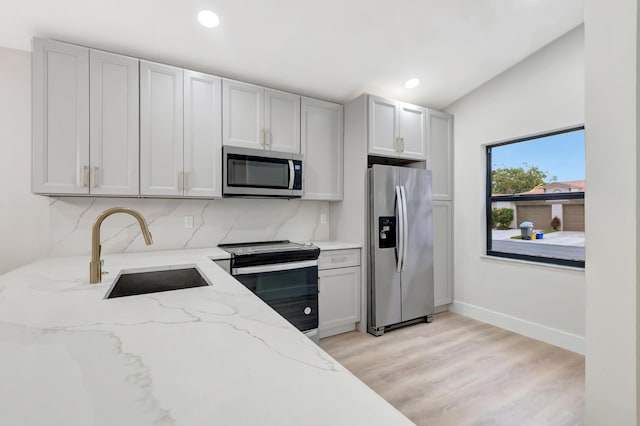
[33,226]
[24,220]
[611,115]
[543,92]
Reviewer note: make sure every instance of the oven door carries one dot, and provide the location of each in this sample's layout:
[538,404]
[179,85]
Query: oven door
[261,173]
[291,289]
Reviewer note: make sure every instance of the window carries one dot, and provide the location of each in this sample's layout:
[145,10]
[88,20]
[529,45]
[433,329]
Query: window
[535,198]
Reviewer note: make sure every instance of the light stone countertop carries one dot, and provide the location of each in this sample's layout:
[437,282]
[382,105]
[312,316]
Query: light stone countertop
[214,355]
[335,245]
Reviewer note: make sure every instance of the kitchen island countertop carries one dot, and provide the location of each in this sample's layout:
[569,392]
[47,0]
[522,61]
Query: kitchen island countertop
[214,355]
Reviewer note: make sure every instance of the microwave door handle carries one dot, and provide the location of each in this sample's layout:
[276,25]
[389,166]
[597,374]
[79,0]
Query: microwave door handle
[291,174]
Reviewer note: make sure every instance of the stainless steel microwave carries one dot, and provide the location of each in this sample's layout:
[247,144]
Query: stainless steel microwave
[259,173]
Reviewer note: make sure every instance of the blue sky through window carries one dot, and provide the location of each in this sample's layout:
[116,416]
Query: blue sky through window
[560,155]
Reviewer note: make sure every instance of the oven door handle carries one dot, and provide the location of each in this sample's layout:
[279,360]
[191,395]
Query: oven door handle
[274,267]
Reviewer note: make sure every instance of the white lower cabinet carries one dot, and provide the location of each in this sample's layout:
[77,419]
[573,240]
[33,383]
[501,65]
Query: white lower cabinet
[339,292]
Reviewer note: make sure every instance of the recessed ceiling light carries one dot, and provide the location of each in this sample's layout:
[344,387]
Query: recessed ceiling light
[208,19]
[410,84]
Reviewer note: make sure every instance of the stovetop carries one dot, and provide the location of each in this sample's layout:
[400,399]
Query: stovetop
[265,247]
[267,252]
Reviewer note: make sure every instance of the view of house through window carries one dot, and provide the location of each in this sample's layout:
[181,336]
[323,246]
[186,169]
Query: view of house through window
[535,198]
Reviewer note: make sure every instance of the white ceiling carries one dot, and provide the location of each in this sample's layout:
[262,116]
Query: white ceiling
[330,49]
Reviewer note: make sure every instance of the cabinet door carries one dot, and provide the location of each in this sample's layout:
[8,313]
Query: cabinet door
[60,118]
[202,135]
[242,114]
[440,159]
[322,148]
[339,297]
[413,131]
[115,138]
[161,129]
[442,252]
[383,127]
[282,121]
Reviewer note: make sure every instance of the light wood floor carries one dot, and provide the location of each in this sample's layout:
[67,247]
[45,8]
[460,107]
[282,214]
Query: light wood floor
[458,371]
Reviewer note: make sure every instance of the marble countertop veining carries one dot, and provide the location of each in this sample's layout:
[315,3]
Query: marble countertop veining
[214,355]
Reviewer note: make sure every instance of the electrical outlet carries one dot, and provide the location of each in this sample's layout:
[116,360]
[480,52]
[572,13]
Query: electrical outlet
[188,221]
[323,218]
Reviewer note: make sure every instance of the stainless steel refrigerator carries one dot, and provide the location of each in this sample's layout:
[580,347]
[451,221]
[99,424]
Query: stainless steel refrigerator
[401,247]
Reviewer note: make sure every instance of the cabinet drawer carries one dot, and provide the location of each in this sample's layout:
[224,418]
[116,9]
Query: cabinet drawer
[339,259]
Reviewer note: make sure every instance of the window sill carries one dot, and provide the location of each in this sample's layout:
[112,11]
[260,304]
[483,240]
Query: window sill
[530,263]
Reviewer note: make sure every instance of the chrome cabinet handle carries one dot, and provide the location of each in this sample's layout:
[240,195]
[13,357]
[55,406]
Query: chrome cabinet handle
[267,133]
[402,144]
[261,137]
[180,180]
[187,181]
[93,177]
[83,179]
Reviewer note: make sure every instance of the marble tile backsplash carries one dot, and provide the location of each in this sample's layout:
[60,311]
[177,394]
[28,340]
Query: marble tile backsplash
[214,221]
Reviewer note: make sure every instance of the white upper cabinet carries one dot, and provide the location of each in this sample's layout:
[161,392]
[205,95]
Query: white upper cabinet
[243,114]
[114,118]
[255,117]
[202,135]
[413,131]
[60,118]
[161,130]
[440,159]
[282,121]
[397,129]
[322,148]
[383,127]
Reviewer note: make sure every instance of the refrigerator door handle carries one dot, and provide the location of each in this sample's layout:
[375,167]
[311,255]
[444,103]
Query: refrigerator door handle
[401,233]
[405,227]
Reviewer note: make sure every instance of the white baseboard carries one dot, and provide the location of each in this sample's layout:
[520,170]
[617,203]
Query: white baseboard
[546,334]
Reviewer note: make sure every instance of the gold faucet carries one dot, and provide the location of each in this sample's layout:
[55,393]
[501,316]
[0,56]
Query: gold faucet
[95,274]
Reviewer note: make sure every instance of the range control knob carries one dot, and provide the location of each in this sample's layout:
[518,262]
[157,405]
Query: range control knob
[307,310]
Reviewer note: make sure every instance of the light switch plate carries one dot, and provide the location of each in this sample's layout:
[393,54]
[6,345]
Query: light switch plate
[323,218]
[188,221]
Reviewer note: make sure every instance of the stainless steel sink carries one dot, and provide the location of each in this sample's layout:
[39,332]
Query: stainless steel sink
[133,283]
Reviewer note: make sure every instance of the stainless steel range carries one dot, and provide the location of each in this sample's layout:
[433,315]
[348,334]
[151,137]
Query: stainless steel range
[284,275]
